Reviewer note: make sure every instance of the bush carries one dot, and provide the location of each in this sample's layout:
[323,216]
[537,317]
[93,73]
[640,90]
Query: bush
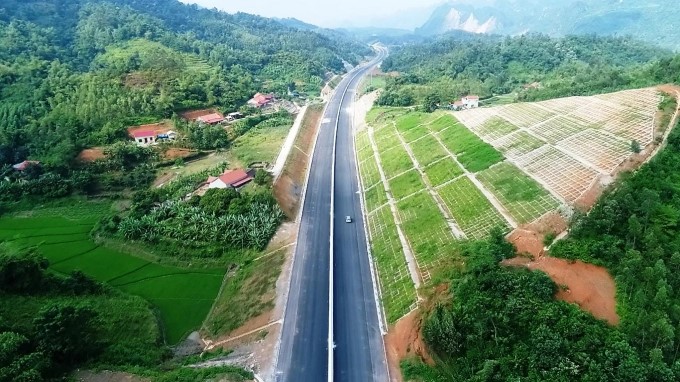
[262,177]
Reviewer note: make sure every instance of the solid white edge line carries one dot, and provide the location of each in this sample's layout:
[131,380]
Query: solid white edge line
[298,219]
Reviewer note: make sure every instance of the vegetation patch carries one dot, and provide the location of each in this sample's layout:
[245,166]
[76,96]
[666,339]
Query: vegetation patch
[475,215]
[260,145]
[473,153]
[251,287]
[396,286]
[427,231]
[427,150]
[523,197]
[406,184]
[497,126]
[395,161]
[443,171]
[375,197]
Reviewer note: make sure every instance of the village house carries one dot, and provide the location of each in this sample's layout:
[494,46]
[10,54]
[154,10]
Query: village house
[230,179]
[467,102]
[144,137]
[471,101]
[210,119]
[261,100]
[457,105]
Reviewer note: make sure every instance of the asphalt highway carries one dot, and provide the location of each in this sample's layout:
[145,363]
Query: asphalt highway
[358,354]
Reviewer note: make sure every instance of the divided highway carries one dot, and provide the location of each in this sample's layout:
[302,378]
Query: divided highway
[352,319]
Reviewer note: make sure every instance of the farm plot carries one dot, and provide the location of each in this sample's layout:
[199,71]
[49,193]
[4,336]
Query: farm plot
[183,296]
[562,173]
[523,197]
[475,215]
[473,153]
[427,231]
[442,172]
[397,288]
[518,144]
[427,150]
[602,150]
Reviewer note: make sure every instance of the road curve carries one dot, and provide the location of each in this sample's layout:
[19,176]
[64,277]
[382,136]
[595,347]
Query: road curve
[303,352]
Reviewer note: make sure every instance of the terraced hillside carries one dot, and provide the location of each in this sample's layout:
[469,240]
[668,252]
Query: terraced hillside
[432,180]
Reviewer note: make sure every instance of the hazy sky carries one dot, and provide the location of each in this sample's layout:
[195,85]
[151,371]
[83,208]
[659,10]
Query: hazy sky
[328,13]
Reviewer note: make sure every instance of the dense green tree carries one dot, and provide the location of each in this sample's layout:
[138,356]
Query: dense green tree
[217,200]
[22,272]
[17,360]
[68,333]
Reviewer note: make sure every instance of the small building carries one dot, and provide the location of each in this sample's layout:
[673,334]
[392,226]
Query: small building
[144,137]
[230,178]
[471,101]
[210,119]
[261,100]
[25,164]
[457,105]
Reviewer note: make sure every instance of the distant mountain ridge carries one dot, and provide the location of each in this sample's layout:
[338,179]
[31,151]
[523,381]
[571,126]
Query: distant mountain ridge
[654,21]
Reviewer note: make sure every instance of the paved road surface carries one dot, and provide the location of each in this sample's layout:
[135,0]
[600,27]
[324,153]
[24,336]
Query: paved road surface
[359,353]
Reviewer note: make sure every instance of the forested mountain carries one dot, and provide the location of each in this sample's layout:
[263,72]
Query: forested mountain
[533,66]
[651,21]
[74,73]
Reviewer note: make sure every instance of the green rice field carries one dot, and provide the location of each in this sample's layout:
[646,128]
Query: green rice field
[182,296]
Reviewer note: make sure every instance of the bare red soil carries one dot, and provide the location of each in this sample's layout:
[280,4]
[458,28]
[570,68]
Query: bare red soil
[590,287]
[91,155]
[175,153]
[157,128]
[405,340]
[193,114]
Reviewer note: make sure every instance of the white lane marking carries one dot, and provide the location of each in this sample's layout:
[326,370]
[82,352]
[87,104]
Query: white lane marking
[331,342]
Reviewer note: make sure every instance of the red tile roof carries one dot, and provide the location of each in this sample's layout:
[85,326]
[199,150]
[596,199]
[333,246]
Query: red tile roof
[472,97]
[211,118]
[262,99]
[143,134]
[235,178]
